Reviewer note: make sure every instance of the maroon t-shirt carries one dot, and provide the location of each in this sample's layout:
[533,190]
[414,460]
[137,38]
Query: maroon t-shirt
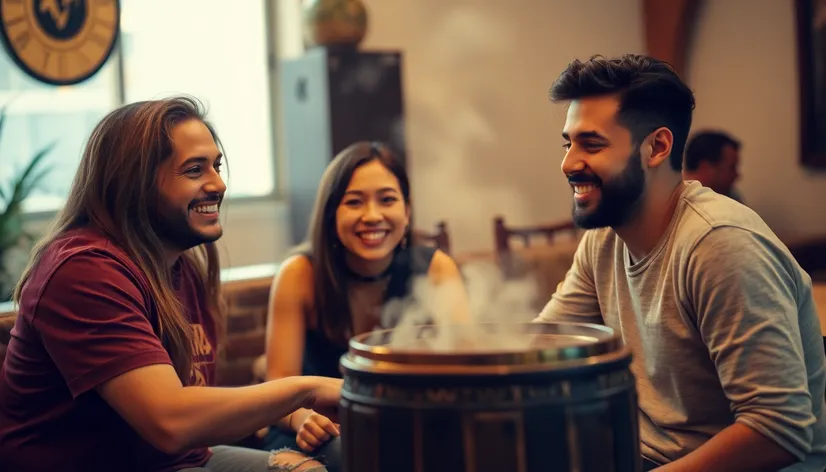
[86,316]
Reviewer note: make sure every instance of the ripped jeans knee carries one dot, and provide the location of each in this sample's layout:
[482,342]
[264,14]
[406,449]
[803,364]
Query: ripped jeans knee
[326,458]
[289,460]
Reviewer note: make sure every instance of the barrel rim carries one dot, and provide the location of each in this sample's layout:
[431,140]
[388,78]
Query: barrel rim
[364,357]
[357,365]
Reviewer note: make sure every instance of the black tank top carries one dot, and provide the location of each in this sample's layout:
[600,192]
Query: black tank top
[321,355]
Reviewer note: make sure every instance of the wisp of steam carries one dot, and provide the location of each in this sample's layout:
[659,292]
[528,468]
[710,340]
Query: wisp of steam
[482,312]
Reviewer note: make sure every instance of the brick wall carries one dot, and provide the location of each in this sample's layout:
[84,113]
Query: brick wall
[247,302]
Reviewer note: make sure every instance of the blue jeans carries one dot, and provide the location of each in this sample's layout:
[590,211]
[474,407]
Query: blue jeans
[240,459]
[328,454]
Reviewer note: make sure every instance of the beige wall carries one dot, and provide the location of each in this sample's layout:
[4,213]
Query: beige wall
[484,140]
[743,68]
[483,137]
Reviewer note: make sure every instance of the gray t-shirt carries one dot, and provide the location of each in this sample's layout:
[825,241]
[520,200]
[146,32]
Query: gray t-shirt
[721,323]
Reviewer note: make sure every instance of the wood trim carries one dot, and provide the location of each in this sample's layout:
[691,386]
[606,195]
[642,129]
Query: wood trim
[810,156]
[668,26]
[503,233]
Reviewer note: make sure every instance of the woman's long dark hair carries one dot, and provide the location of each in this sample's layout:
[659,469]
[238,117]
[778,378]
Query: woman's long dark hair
[115,179]
[331,302]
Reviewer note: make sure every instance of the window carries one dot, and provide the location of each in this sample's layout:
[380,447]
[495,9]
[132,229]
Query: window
[38,115]
[195,47]
[217,52]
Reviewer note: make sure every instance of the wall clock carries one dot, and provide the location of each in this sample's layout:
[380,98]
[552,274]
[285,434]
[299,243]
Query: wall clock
[59,42]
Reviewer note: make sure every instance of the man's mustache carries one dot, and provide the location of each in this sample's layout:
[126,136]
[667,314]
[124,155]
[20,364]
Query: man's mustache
[210,198]
[584,178]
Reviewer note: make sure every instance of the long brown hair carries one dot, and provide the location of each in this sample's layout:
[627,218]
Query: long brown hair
[115,180]
[331,302]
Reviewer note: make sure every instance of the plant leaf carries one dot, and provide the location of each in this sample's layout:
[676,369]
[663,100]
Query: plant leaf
[33,181]
[30,238]
[3,116]
[25,182]
[3,112]
[11,218]
[11,231]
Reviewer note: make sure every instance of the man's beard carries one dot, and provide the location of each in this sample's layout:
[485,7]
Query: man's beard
[619,198]
[174,228]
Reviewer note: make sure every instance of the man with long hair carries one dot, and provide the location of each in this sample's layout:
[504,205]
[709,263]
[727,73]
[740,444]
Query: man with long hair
[111,363]
[726,341]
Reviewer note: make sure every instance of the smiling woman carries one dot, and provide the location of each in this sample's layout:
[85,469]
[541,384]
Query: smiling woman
[357,259]
[372,219]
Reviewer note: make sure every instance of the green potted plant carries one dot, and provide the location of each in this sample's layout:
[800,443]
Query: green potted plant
[12,195]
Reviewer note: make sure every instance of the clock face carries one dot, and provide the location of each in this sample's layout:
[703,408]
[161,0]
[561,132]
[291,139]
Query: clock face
[60,42]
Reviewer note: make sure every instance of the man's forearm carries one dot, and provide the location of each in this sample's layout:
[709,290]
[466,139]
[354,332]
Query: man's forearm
[734,449]
[194,416]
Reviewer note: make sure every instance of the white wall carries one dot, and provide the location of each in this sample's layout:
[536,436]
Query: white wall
[743,68]
[255,232]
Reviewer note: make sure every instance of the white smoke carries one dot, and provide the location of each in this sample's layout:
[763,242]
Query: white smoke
[482,312]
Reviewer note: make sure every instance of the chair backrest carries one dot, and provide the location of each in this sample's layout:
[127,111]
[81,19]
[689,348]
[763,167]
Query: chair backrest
[503,233]
[440,239]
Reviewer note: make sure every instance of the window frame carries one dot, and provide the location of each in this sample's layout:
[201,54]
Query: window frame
[278,193]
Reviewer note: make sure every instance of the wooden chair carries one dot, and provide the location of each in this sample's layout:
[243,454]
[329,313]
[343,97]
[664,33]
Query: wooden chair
[503,234]
[546,264]
[439,239]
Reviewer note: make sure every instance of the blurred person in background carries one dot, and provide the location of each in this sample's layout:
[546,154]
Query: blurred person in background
[713,159]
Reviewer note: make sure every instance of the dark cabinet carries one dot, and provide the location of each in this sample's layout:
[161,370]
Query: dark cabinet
[330,100]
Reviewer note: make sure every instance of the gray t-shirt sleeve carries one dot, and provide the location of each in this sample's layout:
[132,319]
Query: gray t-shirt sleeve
[743,293]
[575,298]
